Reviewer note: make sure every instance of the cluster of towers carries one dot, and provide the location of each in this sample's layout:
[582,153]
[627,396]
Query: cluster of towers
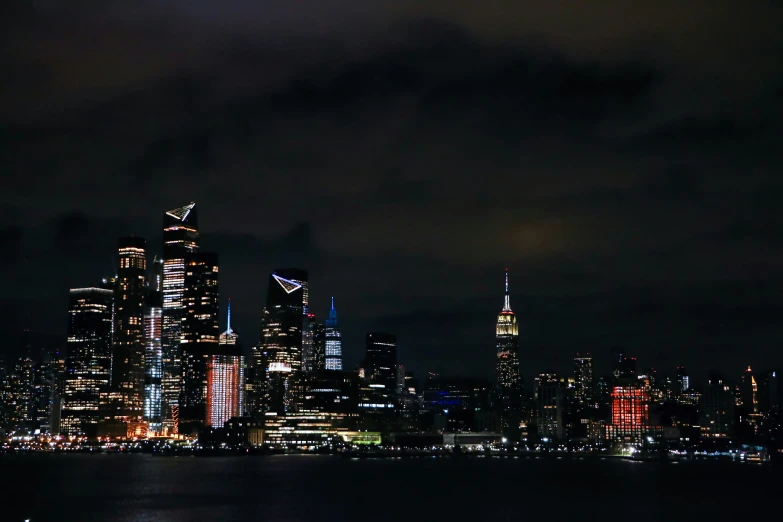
[145,352]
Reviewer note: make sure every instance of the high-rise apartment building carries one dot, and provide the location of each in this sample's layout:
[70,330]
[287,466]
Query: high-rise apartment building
[180,238]
[153,323]
[200,337]
[583,376]
[509,382]
[717,408]
[630,412]
[549,405]
[88,359]
[281,340]
[127,364]
[334,343]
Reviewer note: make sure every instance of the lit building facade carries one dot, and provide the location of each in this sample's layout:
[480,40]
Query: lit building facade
[180,238]
[630,412]
[200,337]
[226,379]
[509,383]
[280,356]
[153,322]
[333,342]
[308,356]
[128,350]
[549,405]
[717,408]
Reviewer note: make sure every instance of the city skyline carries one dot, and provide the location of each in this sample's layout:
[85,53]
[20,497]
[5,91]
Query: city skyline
[623,167]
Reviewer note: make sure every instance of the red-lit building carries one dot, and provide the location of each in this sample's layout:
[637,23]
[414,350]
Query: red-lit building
[630,413]
[225,383]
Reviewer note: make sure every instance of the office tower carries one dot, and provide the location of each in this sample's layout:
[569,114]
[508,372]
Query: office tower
[583,375]
[308,357]
[717,408]
[200,337]
[319,346]
[281,339]
[630,412]
[380,360]
[509,383]
[153,322]
[334,344]
[180,238]
[549,405]
[683,381]
[88,361]
[127,363]
[226,379]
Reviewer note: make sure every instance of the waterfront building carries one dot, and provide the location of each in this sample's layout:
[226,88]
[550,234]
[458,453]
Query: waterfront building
[153,322]
[630,412]
[200,336]
[333,343]
[127,362]
[180,238]
[280,356]
[549,405]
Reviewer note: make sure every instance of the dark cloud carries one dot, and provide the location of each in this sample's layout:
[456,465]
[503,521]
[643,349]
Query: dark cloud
[624,167]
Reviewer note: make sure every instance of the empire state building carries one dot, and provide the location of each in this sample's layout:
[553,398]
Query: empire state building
[507,336]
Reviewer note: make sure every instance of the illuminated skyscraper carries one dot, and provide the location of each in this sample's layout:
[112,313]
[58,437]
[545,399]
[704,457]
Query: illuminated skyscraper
[281,339]
[200,336]
[88,362]
[380,360]
[549,405]
[583,375]
[334,343]
[630,412]
[127,362]
[683,381]
[509,383]
[153,319]
[180,238]
[226,379]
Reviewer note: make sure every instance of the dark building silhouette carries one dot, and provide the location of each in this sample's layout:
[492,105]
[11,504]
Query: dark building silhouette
[717,408]
[380,360]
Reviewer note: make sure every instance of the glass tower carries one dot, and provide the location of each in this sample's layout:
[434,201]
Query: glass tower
[180,238]
[153,321]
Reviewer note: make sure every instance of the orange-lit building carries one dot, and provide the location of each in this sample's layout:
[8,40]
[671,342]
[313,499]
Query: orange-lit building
[630,413]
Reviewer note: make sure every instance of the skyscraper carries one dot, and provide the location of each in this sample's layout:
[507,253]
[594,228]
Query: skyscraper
[88,361]
[281,339]
[308,356]
[200,336]
[226,379]
[334,344]
[717,408]
[509,383]
[127,376]
[180,238]
[319,346]
[380,360]
[153,320]
[583,375]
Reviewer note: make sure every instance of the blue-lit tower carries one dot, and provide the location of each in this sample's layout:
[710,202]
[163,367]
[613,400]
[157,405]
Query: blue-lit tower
[334,343]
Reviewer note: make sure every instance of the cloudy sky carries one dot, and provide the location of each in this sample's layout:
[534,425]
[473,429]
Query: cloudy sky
[623,161]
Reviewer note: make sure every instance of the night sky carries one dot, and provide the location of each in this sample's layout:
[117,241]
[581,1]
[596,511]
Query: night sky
[622,160]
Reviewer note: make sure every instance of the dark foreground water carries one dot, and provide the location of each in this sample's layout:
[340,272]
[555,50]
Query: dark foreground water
[67,488]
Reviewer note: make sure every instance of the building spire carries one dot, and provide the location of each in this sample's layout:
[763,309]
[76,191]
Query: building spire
[228,321]
[332,321]
[507,298]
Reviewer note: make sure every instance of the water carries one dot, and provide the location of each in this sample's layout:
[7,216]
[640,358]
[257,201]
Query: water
[139,488]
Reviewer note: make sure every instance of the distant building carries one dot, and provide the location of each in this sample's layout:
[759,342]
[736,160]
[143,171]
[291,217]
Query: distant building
[226,379]
[280,356]
[380,360]
[88,363]
[180,239]
[549,405]
[153,322]
[507,338]
[308,356]
[334,344]
[127,367]
[683,381]
[717,408]
[583,376]
[200,336]
[630,412]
